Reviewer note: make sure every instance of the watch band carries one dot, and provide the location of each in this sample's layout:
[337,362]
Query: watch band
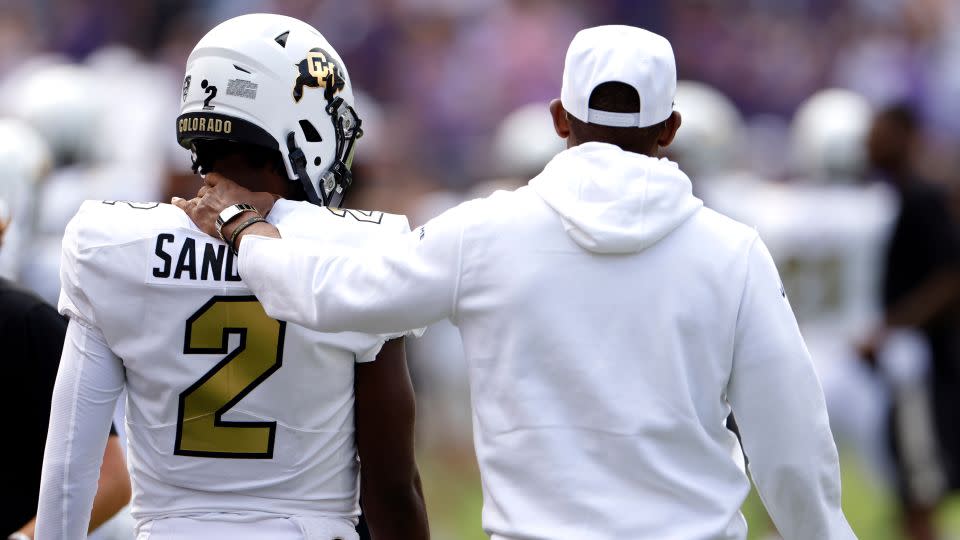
[230,213]
[232,244]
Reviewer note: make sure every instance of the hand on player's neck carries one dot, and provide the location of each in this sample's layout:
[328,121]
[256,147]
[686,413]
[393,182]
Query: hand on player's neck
[264,178]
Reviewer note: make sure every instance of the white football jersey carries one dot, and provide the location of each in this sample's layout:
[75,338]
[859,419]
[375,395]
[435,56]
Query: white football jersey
[827,240]
[227,410]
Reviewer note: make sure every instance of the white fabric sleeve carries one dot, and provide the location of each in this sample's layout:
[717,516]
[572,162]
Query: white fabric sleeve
[88,384]
[334,289]
[73,298]
[780,410]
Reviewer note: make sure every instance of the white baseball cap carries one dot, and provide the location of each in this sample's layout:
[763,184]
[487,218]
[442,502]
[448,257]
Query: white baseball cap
[625,54]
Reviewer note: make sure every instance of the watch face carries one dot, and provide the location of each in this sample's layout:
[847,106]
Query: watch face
[231,212]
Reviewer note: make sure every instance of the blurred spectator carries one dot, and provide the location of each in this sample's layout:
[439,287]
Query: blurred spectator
[922,291]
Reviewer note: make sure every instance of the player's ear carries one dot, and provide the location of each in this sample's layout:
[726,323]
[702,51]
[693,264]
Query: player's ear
[560,121]
[671,126]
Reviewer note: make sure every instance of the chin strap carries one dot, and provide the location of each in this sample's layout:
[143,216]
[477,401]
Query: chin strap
[194,162]
[337,180]
[298,162]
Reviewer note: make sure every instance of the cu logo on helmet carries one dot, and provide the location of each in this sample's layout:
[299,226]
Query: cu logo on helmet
[319,70]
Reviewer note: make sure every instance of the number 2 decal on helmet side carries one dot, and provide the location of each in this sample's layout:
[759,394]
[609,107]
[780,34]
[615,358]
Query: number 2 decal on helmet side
[210,89]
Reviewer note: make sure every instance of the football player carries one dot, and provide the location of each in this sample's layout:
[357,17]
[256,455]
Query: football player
[239,425]
[64,119]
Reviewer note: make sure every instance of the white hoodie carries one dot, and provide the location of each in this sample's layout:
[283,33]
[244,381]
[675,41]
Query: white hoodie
[610,323]
[612,201]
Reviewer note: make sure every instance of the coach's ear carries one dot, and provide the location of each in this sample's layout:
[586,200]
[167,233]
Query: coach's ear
[671,126]
[560,121]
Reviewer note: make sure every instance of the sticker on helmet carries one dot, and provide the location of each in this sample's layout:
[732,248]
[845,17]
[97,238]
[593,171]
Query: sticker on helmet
[186,87]
[242,88]
[319,70]
[211,90]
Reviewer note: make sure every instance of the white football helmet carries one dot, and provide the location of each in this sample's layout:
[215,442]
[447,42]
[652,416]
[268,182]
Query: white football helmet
[275,81]
[25,159]
[525,141]
[62,101]
[712,131]
[828,136]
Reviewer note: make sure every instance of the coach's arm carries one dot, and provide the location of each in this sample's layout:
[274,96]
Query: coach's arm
[329,289]
[780,410]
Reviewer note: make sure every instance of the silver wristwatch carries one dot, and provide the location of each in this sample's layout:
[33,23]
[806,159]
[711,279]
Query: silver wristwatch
[231,212]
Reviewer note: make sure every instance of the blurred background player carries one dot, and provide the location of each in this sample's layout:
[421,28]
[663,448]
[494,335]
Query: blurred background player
[921,291]
[710,143]
[263,442]
[32,334]
[28,163]
[522,145]
[67,104]
[826,229]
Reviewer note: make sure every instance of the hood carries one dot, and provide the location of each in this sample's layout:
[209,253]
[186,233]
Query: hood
[612,201]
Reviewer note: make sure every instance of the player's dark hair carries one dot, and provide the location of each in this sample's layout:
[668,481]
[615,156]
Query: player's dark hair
[617,97]
[210,151]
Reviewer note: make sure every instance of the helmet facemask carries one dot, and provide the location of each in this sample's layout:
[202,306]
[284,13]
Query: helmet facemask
[335,182]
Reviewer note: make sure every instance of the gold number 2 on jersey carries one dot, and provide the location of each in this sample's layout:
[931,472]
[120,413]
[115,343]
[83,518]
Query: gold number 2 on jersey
[201,430]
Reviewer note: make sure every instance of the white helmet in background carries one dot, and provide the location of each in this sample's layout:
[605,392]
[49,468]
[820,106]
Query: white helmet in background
[62,101]
[144,122]
[25,160]
[828,136]
[274,81]
[525,141]
[712,131]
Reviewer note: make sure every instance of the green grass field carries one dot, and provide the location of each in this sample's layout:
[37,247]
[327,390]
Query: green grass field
[454,501]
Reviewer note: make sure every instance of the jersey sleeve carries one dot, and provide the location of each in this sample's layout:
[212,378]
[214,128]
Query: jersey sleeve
[396,229]
[74,302]
[780,410]
[331,288]
[89,381]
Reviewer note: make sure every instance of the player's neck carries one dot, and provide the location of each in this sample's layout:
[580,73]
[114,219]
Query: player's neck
[258,179]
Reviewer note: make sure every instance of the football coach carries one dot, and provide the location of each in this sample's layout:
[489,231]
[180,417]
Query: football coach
[610,322]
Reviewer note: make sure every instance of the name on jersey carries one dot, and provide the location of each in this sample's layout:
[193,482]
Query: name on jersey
[199,123]
[186,259]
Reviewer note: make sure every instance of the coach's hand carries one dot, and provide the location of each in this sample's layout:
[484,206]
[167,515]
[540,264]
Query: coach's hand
[216,194]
